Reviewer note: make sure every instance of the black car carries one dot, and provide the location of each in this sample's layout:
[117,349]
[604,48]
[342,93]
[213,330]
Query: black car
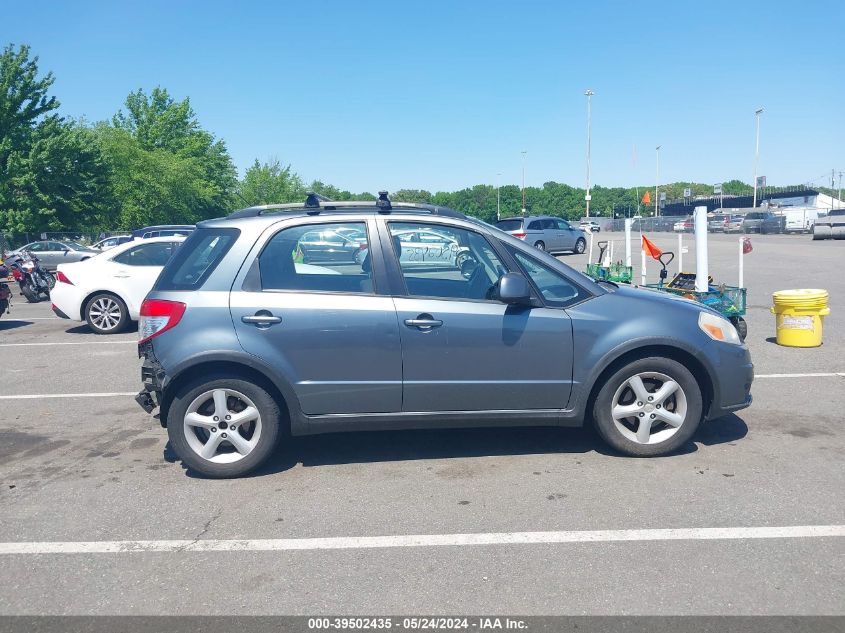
[763,222]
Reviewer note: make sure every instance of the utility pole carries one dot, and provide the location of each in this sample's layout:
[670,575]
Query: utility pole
[840,191]
[498,198]
[524,152]
[589,94]
[657,182]
[757,114]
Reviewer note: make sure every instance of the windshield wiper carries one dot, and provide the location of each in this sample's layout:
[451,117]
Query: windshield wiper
[607,281]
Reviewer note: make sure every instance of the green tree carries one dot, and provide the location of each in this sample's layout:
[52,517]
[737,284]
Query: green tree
[165,167]
[270,183]
[52,176]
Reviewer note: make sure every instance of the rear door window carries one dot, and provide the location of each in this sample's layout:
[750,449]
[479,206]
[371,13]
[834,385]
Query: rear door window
[197,258]
[318,258]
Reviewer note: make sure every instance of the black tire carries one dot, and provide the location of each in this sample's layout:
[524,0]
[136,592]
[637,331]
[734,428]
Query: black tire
[268,410]
[29,294]
[540,246]
[741,326]
[117,319]
[580,246]
[606,426]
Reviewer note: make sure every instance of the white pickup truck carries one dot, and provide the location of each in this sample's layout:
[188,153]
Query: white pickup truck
[831,226]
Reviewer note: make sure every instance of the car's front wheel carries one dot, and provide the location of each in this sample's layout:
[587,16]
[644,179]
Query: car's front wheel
[540,246]
[106,313]
[223,427]
[580,246]
[649,407]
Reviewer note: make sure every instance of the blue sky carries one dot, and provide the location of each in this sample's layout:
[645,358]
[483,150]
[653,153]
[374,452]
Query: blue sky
[443,95]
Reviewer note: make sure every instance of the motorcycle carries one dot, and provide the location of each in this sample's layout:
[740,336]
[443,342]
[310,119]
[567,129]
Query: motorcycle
[34,281]
[5,293]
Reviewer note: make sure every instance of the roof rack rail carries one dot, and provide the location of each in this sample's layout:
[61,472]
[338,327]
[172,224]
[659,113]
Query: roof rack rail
[315,204]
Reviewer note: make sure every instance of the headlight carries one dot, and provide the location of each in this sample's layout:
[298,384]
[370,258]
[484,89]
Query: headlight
[718,328]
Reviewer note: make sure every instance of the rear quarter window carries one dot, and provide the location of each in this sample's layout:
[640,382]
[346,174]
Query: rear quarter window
[196,259]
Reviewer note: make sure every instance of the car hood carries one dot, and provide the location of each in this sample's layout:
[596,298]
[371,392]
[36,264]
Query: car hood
[659,298]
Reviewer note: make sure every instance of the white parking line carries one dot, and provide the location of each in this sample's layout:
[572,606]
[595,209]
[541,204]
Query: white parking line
[819,375]
[422,540]
[52,318]
[67,343]
[39,396]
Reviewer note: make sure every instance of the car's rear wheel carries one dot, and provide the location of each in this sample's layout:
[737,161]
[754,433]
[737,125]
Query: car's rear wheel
[649,407]
[580,246]
[223,427]
[106,313]
[540,246]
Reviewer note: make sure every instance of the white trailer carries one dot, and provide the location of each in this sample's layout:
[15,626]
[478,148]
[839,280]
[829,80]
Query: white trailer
[799,219]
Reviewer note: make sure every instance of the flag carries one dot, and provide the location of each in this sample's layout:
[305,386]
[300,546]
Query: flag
[650,249]
[646,198]
[746,245]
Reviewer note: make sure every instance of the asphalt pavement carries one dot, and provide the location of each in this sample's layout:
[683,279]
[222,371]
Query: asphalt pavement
[80,462]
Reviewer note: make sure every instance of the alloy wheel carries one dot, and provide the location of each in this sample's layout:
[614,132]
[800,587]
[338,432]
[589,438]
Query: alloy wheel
[105,313]
[222,426]
[649,408]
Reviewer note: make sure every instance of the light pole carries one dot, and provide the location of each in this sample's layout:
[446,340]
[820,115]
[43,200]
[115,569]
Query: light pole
[657,181]
[498,198]
[524,152]
[757,114]
[589,94]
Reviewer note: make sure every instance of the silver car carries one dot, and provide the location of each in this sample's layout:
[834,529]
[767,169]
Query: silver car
[51,253]
[553,235]
[241,347]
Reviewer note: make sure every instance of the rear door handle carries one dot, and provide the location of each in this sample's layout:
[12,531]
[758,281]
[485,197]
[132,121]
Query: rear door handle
[424,322]
[262,318]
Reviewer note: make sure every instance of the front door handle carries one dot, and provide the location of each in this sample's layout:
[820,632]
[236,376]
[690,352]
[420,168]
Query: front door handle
[262,318]
[424,322]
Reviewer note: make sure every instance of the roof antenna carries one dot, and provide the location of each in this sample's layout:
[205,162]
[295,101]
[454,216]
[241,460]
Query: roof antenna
[383,202]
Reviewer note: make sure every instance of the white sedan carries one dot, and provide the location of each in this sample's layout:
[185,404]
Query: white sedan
[107,290]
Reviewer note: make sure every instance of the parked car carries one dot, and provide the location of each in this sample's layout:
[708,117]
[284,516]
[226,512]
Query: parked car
[239,347]
[329,245]
[734,223]
[589,226]
[684,226]
[163,230]
[763,222]
[51,253]
[718,223]
[553,235]
[111,242]
[107,291]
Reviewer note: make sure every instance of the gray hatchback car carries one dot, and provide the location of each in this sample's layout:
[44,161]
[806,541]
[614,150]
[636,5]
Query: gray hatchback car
[243,341]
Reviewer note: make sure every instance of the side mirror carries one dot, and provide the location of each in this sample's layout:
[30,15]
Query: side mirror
[514,289]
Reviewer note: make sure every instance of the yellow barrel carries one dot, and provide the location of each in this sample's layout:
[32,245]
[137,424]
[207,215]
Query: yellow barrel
[799,315]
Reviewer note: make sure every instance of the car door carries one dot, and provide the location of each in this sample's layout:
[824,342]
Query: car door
[48,253]
[462,349]
[133,272]
[322,325]
[568,235]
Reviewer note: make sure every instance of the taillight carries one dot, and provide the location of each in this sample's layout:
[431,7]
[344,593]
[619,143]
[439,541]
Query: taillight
[519,236]
[62,278]
[157,316]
